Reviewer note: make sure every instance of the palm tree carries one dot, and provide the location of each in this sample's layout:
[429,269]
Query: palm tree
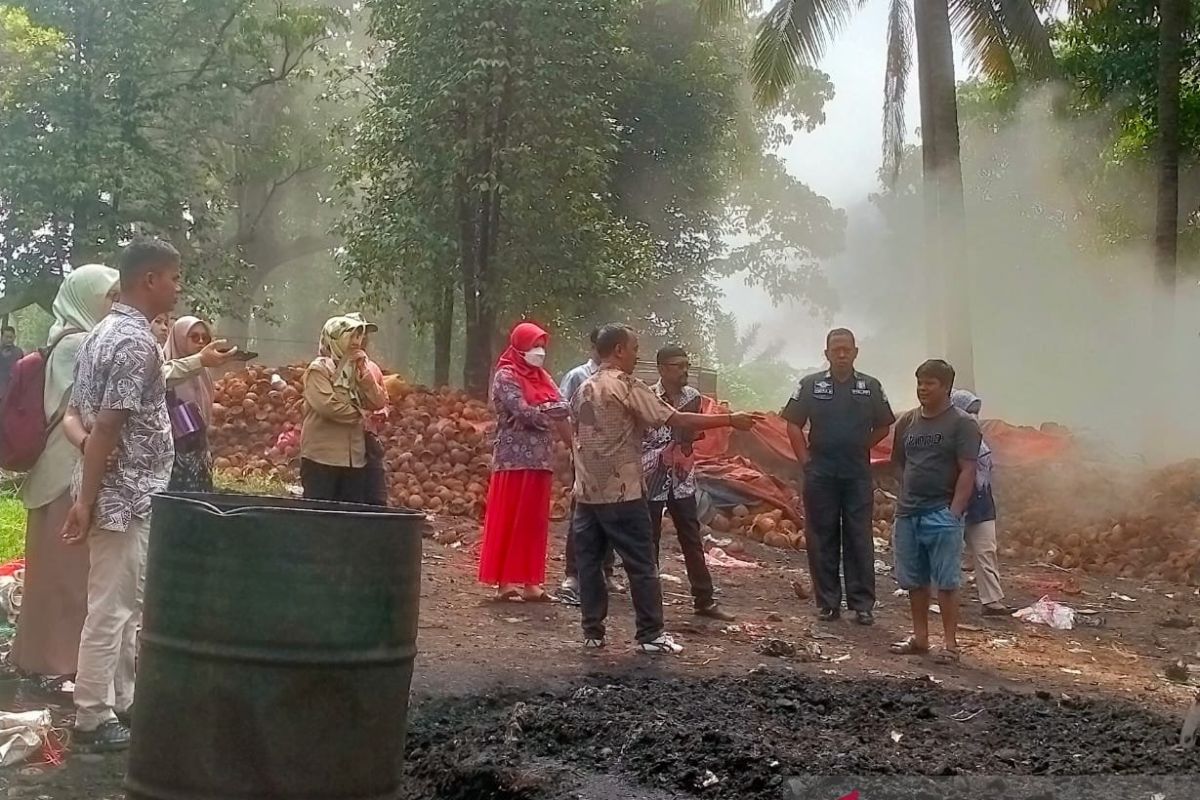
[997,35]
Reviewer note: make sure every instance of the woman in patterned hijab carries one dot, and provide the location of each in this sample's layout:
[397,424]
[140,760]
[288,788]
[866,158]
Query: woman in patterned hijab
[339,393]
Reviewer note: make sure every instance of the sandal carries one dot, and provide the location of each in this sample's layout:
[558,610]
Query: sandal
[541,597]
[510,596]
[947,657]
[53,684]
[908,647]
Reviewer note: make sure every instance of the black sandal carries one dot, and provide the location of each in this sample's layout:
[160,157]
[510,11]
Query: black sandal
[52,684]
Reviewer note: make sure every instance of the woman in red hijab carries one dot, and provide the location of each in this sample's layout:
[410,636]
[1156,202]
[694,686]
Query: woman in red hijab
[529,412]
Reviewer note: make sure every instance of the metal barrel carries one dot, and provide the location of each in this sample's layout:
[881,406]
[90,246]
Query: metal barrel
[276,650]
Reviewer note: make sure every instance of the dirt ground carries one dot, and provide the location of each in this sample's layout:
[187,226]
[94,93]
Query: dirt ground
[508,706]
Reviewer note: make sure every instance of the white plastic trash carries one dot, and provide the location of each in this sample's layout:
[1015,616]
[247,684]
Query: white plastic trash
[1048,612]
[22,734]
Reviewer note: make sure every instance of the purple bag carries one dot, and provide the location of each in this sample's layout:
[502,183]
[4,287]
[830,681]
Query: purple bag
[186,419]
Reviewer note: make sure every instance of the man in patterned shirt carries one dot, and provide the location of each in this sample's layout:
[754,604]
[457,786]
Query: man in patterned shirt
[120,395]
[568,592]
[610,413]
[670,470]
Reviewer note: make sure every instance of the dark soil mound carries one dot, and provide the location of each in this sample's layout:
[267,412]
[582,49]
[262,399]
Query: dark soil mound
[747,738]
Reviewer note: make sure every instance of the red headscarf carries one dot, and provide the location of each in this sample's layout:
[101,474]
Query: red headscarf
[536,384]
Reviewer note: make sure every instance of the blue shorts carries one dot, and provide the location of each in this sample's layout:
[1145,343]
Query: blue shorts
[929,548]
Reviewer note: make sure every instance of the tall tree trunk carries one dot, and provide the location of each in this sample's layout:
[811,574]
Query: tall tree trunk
[1172,19]
[473,263]
[443,336]
[945,232]
[932,269]
[479,219]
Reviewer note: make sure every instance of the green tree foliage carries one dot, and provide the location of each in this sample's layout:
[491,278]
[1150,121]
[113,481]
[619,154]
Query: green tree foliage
[1111,60]
[133,129]
[26,50]
[483,168]
[698,168]
[617,192]
[1097,129]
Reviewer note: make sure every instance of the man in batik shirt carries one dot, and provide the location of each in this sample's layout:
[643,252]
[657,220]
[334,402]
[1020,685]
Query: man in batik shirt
[670,469]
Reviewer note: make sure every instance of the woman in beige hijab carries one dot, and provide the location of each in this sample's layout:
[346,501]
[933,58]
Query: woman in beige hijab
[190,403]
[54,600]
[339,394]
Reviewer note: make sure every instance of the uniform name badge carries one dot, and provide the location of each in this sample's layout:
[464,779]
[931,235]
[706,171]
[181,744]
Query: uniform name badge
[861,389]
[823,390]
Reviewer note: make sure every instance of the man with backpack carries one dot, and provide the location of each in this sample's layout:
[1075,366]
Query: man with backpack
[10,354]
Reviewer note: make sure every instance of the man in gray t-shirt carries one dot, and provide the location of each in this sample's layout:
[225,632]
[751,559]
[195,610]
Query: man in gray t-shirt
[936,447]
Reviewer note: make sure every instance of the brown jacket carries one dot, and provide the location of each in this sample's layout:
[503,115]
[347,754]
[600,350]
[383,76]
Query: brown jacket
[333,426]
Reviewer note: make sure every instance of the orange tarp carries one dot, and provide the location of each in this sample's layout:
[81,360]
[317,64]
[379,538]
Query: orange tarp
[1010,444]
[758,466]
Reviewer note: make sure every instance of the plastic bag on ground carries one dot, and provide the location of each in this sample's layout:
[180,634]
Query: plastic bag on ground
[22,734]
[1048,612]
[12,583]
[716,557]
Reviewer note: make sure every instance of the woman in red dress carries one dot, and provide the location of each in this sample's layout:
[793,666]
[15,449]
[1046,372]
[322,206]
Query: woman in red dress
[529,414]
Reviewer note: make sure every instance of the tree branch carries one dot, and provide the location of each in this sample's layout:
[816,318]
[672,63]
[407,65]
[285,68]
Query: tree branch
[285,69]
[209,57]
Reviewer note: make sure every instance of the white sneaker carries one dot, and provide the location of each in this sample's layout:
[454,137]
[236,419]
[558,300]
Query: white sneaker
[593,644]
[664,645]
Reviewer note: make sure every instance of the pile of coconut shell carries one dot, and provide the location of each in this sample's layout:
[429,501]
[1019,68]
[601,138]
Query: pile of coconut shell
[437,443]
[1090,516]
[771,527]
[1102,519]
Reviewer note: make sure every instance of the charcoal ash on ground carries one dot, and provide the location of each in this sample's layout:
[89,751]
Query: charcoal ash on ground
[749,737]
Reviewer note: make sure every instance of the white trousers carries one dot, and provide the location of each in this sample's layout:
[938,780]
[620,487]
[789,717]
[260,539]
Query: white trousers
[981,543]
[108,645]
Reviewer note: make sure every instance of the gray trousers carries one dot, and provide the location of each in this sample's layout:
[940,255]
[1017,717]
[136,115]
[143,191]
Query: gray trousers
[981,544]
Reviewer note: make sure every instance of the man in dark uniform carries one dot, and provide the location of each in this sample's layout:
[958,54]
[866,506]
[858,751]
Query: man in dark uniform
[847,414]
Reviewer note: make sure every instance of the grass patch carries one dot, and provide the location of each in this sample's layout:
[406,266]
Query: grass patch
[12,511]
[252,484]
[12,527]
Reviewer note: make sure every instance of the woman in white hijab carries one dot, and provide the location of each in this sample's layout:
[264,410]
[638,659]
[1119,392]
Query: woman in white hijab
[54,599]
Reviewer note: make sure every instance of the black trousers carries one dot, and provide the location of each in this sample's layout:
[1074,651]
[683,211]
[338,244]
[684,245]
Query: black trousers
[570,565]
[338,484]
[376,492]
[687,527]
[625,528]
[838,530]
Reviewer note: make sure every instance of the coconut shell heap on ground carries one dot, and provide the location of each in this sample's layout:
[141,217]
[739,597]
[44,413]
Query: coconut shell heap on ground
[1075,515]
[437,444]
